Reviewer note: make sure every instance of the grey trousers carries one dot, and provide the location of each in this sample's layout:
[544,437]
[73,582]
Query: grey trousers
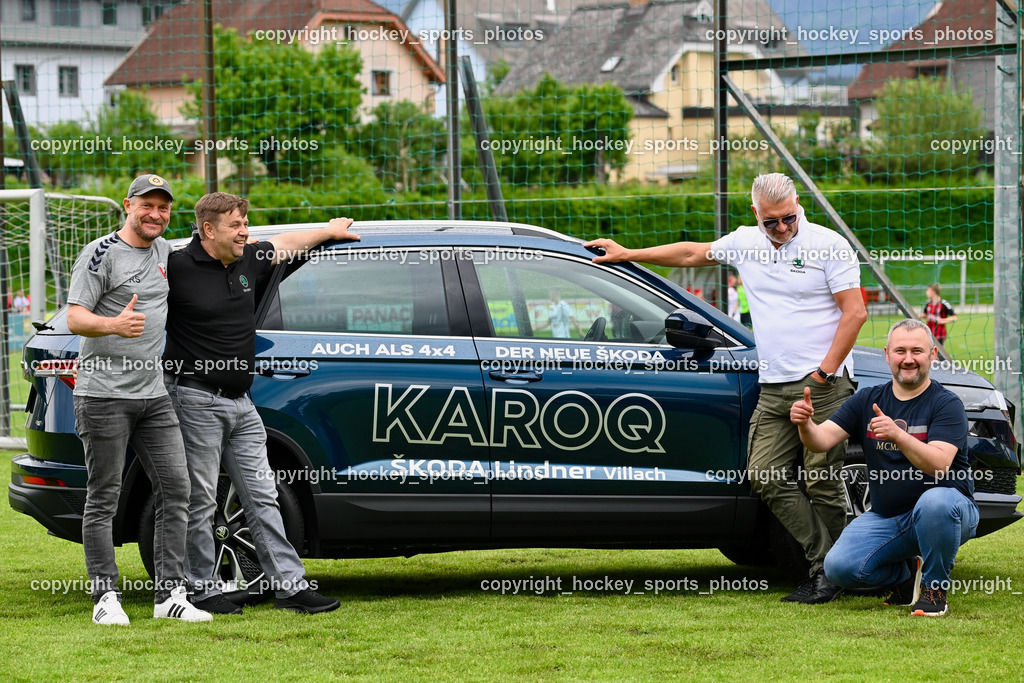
[107,426]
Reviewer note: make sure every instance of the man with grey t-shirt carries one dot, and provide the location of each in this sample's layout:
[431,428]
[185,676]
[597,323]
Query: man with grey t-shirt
[118,304]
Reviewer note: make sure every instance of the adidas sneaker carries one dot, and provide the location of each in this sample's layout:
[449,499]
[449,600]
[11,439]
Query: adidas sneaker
[108,611]
[178,607]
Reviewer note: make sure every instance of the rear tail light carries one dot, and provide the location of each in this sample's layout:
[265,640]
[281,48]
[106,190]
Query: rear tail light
[42,481]
[64,370]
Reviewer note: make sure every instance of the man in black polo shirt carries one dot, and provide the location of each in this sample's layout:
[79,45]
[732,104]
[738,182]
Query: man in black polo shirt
[210,358]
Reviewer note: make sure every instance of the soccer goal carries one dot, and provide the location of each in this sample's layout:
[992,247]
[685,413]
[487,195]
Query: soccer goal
[41,234]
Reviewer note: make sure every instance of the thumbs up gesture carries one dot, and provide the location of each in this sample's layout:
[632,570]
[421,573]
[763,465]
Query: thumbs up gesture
[129,323]
[882,425]
[802,411]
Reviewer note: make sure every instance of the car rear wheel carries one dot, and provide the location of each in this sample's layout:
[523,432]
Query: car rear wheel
[238,568]
[749,556]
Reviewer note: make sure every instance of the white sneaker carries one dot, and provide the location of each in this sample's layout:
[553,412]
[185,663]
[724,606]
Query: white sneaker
[108,611]
[178,607]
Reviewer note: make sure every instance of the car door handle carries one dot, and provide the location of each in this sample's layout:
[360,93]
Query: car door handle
[516,377]
[282,372]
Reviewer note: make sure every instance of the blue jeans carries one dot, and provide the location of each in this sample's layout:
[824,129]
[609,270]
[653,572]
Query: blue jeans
[872,550]
[225,432]
[106,427]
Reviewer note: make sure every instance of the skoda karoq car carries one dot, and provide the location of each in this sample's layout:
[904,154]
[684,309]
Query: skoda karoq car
[455,385]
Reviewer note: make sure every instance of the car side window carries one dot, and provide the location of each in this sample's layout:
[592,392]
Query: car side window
[336,291]
[559,298]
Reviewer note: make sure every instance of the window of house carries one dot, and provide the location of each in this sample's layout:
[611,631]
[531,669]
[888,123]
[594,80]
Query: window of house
[674,75]
[67,81]
[66,12]
[381,82]
[151,13]
[610,63]
[25,78]
[28,10]
[110,14]
[705,13]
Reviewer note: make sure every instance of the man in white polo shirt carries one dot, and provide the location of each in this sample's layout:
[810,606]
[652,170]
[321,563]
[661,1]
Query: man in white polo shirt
[803,285]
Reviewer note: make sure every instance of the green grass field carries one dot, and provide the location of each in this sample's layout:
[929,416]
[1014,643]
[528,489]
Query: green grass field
[427,617]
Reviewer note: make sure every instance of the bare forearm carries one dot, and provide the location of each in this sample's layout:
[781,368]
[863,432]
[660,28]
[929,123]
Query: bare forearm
[817,439]
[675,255]
[82,321]
[844,339]
[297,243]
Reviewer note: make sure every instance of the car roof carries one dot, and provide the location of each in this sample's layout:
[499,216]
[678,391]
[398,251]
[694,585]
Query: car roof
[421,227]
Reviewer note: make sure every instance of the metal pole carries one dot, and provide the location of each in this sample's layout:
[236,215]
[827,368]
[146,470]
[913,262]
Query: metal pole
[451,78]
[1007,238]
[476,117]
[5,374]
[209,104]
[720,135]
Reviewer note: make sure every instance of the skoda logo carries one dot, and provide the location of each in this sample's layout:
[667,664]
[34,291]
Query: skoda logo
[799,263]
[221,533]
[244,280]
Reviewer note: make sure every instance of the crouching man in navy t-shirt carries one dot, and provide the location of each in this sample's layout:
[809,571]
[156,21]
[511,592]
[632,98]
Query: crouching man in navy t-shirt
[914,435]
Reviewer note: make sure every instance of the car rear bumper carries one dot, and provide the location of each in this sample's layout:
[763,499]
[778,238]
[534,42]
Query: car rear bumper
[57,504]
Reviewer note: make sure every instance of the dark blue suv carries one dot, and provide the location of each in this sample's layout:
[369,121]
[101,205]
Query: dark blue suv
[454,385]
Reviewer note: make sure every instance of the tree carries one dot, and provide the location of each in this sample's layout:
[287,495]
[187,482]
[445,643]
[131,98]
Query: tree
[403,143]
[925,130]
[556,134]
[282,102]
[125,140]
[496,72]
[138,142]
[600,115]
[62,154]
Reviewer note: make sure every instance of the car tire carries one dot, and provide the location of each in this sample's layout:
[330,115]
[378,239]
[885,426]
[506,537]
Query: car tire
[239,567]
[750,556]
[790,554]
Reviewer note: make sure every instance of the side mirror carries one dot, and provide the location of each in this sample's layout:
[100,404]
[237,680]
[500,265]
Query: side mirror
[686,329]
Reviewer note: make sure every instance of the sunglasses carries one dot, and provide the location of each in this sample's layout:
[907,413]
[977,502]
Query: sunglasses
[773,223]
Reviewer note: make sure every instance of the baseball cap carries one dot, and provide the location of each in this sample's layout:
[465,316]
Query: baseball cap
[147,183]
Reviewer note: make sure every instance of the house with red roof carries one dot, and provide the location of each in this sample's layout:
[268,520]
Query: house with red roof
[950,24]
[395,65]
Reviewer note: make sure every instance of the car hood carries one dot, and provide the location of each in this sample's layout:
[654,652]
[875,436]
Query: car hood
[868,361]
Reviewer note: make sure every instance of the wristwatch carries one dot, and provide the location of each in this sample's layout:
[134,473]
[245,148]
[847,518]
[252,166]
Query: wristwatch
[829,379]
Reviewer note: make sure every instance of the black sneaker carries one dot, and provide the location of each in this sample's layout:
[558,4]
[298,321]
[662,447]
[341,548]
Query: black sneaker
[307,601]
[822,590]
[801,592]
[908,592]
[932,603]
[217,604]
